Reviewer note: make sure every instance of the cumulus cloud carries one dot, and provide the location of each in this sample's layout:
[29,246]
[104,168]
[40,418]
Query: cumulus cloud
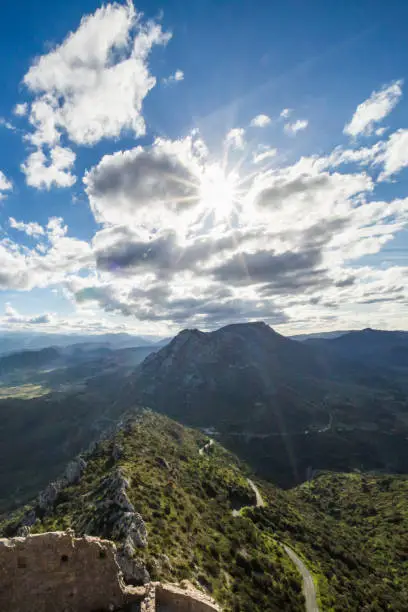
[297,126]
[31,228]
[209,307]
[395,154]
[235,138]
[12,316]
[120,251]
[260,121]
[5,185]
[163,257]
[54,171]
[145,187]
[187,239]
[268,266]
[285,113]
[7,124]
[54,257]
[92,85]
[374,109]
[258,158]
[20,110]
[174,78]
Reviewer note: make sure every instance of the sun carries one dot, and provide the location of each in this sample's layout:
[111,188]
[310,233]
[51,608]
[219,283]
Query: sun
[218,191]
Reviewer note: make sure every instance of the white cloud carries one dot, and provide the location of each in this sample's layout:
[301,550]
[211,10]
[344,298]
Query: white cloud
[295,127]
[235,138]
[55,257]
[285,113]
[374,109]
[5,185]
[12,317]
[20,110]
[6,124]
[92,86]
[45,173]
[260,121]
[263,155]
[147,188]
[395,154]
[303,224]
[31,229]
[174,78]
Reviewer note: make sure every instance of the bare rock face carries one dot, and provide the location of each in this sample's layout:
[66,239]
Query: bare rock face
[133,569]
[74,471]
[117,487]
[128,529]
[47,498]
[131,527]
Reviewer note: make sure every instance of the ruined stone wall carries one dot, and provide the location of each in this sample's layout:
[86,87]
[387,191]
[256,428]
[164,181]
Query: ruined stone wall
[171,598]
[56,572]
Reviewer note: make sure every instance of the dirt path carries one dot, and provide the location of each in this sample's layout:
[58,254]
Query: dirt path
[309,589]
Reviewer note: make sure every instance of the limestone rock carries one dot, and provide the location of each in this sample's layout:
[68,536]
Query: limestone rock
[74,470]
[47,498]
[131,526]
[133,569]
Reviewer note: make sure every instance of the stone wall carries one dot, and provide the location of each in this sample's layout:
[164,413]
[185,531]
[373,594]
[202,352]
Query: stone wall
[56,572]
[172,598]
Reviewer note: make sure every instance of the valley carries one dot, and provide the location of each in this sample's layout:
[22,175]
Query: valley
[288,492]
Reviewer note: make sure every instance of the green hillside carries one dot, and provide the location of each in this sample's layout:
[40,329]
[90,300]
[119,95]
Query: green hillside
[352,530]
[186,501]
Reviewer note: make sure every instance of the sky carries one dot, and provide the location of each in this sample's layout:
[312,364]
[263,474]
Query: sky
[192,164]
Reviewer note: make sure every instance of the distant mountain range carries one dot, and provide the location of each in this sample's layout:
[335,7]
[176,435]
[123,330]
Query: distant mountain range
[373,346]
[13,341]
[287,407]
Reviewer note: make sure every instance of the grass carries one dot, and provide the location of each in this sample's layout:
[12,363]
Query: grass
[350,529]
[186,500]
[27,391]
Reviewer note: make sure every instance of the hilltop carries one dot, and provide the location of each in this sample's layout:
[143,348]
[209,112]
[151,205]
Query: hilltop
[179,507]
[169,509]
[286,407]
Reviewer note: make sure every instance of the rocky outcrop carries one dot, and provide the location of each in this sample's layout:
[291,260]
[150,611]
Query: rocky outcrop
[46,499]
[131,529]
[133,569]
[128,528]
[74,471]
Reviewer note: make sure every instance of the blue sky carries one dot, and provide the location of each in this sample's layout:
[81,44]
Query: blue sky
[193,164]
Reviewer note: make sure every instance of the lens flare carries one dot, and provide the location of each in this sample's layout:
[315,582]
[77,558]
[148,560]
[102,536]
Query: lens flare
[218,191]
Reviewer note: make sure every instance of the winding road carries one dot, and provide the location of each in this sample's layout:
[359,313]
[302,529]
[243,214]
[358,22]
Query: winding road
[309,589]
[259,499]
